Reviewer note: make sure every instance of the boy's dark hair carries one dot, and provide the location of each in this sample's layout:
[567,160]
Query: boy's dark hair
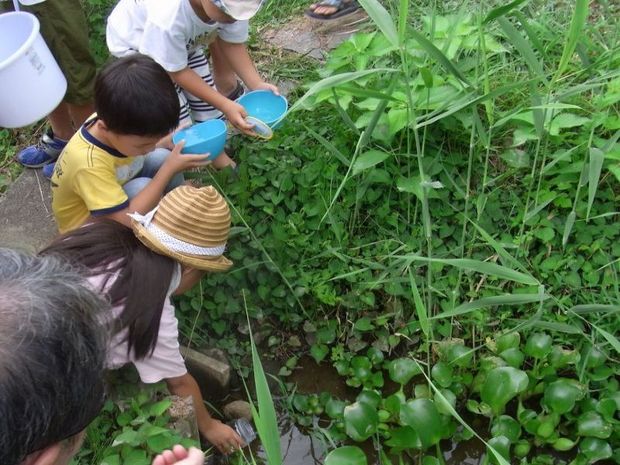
[135,96]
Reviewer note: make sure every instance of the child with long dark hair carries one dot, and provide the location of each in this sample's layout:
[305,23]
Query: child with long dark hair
[166,251]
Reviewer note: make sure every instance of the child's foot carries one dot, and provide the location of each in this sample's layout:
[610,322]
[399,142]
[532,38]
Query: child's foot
[46,151]
[48,170]
[332,9]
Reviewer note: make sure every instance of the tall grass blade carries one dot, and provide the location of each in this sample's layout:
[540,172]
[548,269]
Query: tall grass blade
[594,173]
[568,227]
[610,337]
[530,32]
[265,417]
[420,308]
[333,81]
[382,19]
[522,46]
[329,146]
[532,213]
[403,12]
[507,259]
[595,308]
[576,25]
[508,299]
[501,10]
[438,55]
[558,327]
[480,267]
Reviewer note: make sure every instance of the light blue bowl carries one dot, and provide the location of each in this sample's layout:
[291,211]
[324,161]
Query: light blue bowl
[265,106]
[207,137]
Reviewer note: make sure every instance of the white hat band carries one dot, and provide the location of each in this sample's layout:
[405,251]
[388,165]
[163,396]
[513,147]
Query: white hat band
[172,243]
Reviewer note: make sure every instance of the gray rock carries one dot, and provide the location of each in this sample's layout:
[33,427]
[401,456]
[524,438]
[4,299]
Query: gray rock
[212,375]
[26,219]
[237,409]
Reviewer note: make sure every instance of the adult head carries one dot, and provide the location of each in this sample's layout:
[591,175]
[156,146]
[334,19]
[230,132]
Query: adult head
[52,353]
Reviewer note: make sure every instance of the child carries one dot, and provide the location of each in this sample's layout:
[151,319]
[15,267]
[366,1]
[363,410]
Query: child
[166,31]
[166,251]
[103,172]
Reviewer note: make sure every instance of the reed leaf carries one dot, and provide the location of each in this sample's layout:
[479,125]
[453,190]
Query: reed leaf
[578,20]
[522,46]
[507,299]
[382,19]
[501,10]
[420,308]
[594,173]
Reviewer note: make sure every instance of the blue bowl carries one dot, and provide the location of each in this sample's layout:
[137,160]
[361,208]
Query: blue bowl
[207,137]
[265,106]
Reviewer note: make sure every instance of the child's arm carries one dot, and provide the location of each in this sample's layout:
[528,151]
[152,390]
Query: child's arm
[190,81]
[242,64]
[150,196]
[217,433]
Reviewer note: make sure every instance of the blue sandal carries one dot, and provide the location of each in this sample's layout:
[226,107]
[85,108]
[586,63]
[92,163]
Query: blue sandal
[343,8]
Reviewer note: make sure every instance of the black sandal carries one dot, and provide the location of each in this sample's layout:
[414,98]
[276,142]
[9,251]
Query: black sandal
[343,8]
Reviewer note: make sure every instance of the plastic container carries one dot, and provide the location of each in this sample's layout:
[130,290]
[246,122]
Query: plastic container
[261,129]
[245,430]
[207,137]
[265,106]
[31,83]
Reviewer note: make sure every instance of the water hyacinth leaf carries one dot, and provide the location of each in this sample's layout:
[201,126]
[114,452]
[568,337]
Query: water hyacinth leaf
[597,157]
[442,374]
[563,444]
[382,19]
[393,402]
[513,357]
[595,449]
[369,397]
[607,407]
[501,386]
[501,10]
[538,345]
[560,396]
[422,415]
[361,421]
[334,408]
[368,159]
[375,355]
[445,402]
[402,370]
[346,455]
[501,444]
[430,460]
[507,341]
[591,424]
[506,426]
[459,355]
[478,266]
[404,437]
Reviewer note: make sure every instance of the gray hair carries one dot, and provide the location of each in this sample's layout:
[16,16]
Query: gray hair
[52,353]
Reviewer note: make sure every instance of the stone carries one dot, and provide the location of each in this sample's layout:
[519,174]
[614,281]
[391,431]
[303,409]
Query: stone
[212,375]
[314,38]
[217,354]
[237,409]
[183,417]
[26,218]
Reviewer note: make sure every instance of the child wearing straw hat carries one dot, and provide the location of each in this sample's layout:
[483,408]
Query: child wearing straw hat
[166,251]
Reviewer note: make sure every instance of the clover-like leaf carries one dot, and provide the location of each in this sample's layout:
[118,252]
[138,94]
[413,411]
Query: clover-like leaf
[501,386]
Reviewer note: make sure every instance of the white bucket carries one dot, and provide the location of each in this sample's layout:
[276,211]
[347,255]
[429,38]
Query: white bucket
[31,83]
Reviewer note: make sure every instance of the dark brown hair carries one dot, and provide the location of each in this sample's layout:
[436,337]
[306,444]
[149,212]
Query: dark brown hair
[141,276]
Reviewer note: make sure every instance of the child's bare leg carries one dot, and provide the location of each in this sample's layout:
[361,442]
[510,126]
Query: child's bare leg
[223,75]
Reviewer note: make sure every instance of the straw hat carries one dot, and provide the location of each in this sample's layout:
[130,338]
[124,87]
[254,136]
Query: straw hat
[190,225]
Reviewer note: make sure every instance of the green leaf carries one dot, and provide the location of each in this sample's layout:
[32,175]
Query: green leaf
[334,408]
[346,455]
[402,370]
[507,299]
[513,356]
[368,159]
[595,449]
[422,415]
[563,444]
[501,10]
[501,386]
[442,374]
[420,308]
[319,352]
[481,267]
[360,420]
[538,345]
[404,437]
[578,20]
[506,426]
[594,173]
[560,396]
[158,408]
[501,444]
[522,46]
[568,227]
[566,120]
[382,19]
[158,444]
[113,459]
[130,437]
[591,424]
[507,341]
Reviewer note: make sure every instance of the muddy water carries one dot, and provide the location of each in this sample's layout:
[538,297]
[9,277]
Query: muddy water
[300,448]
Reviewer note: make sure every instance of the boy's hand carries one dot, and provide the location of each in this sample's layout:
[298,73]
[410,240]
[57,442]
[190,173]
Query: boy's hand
[179,455]
[236,114]
[266,86]
[178,162]
[223,437]
[166,142]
